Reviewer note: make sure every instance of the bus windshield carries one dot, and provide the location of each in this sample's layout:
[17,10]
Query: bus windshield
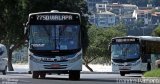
[54,37]
[125,51]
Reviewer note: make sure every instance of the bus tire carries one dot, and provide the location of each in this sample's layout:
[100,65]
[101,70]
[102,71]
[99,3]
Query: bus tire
[42,75]
[4,71]
[74,75]
[29,72]
[35,75]
[122,73]
[148,66]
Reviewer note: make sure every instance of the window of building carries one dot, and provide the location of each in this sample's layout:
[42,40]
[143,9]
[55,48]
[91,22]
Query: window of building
[100,6]
[102,22]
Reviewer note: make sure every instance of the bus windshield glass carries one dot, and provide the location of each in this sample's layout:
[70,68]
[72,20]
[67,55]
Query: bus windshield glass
[54,37]
[125,51]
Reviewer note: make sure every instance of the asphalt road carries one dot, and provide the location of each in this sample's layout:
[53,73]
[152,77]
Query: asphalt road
[91,78]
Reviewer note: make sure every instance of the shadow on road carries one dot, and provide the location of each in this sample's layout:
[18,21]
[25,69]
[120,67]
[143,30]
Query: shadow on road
[82,79]
[99,80]
[51,78]
[134,76]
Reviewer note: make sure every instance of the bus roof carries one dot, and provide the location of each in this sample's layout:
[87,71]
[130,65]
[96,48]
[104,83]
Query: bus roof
[54,13]
[54,17]
[149,38]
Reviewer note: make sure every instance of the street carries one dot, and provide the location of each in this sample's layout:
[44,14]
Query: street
[86,78]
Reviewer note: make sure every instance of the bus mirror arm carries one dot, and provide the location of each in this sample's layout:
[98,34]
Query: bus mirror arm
[25,28]
[25,32]
[109,48]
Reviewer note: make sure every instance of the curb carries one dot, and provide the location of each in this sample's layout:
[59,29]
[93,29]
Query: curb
[16,72]
[81,72]
[99,72]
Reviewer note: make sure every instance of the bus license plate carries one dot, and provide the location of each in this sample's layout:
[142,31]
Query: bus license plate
[55,65]
[124,67]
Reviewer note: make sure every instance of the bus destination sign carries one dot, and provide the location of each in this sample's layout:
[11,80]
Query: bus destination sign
[125,40]
[121,40]
[54,17]
[51,18]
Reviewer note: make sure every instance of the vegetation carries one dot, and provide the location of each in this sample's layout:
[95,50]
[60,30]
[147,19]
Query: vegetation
[99,39]
[152,73]
[156,31]
[12,16]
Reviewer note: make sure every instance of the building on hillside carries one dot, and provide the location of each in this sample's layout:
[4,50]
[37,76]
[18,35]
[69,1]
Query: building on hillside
[114,8]
[105,19]
[143,16]
[123,11]
[156,18]
[128,20]
[128,9]
[91,5]
[118,9]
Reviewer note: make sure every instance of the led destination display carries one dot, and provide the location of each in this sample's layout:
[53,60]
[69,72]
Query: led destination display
[54,18]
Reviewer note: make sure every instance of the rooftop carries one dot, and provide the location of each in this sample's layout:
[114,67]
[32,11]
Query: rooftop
[143,11]
[156,14]
[106,12]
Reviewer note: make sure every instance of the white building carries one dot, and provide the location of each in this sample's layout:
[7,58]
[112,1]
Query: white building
[92,4]
[119,9]
[143,16]
[105,19]
[128,9]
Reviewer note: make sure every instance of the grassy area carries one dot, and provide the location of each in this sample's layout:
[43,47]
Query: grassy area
[152,73]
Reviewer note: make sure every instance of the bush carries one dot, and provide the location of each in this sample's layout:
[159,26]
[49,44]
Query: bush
[152,73]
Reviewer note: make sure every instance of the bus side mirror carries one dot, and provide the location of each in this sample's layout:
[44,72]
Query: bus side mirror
[25,28]
[109,48]
[26,34]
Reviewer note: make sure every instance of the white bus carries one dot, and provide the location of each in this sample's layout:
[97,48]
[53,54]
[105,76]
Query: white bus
[134,54]
[3,59]
[54,44]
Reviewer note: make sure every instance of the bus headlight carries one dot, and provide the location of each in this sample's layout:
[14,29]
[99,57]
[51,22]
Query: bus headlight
[33,58]
[136,63]
[114,64]
[76,58]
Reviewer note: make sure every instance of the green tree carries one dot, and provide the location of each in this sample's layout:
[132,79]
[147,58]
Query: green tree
[156,31]
[99,39]
[11,19]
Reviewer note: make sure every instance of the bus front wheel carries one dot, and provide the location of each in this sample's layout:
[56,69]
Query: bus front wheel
[4,71]
[148,66]
[42,75]
[74,75]
[35,75]
[122,73]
